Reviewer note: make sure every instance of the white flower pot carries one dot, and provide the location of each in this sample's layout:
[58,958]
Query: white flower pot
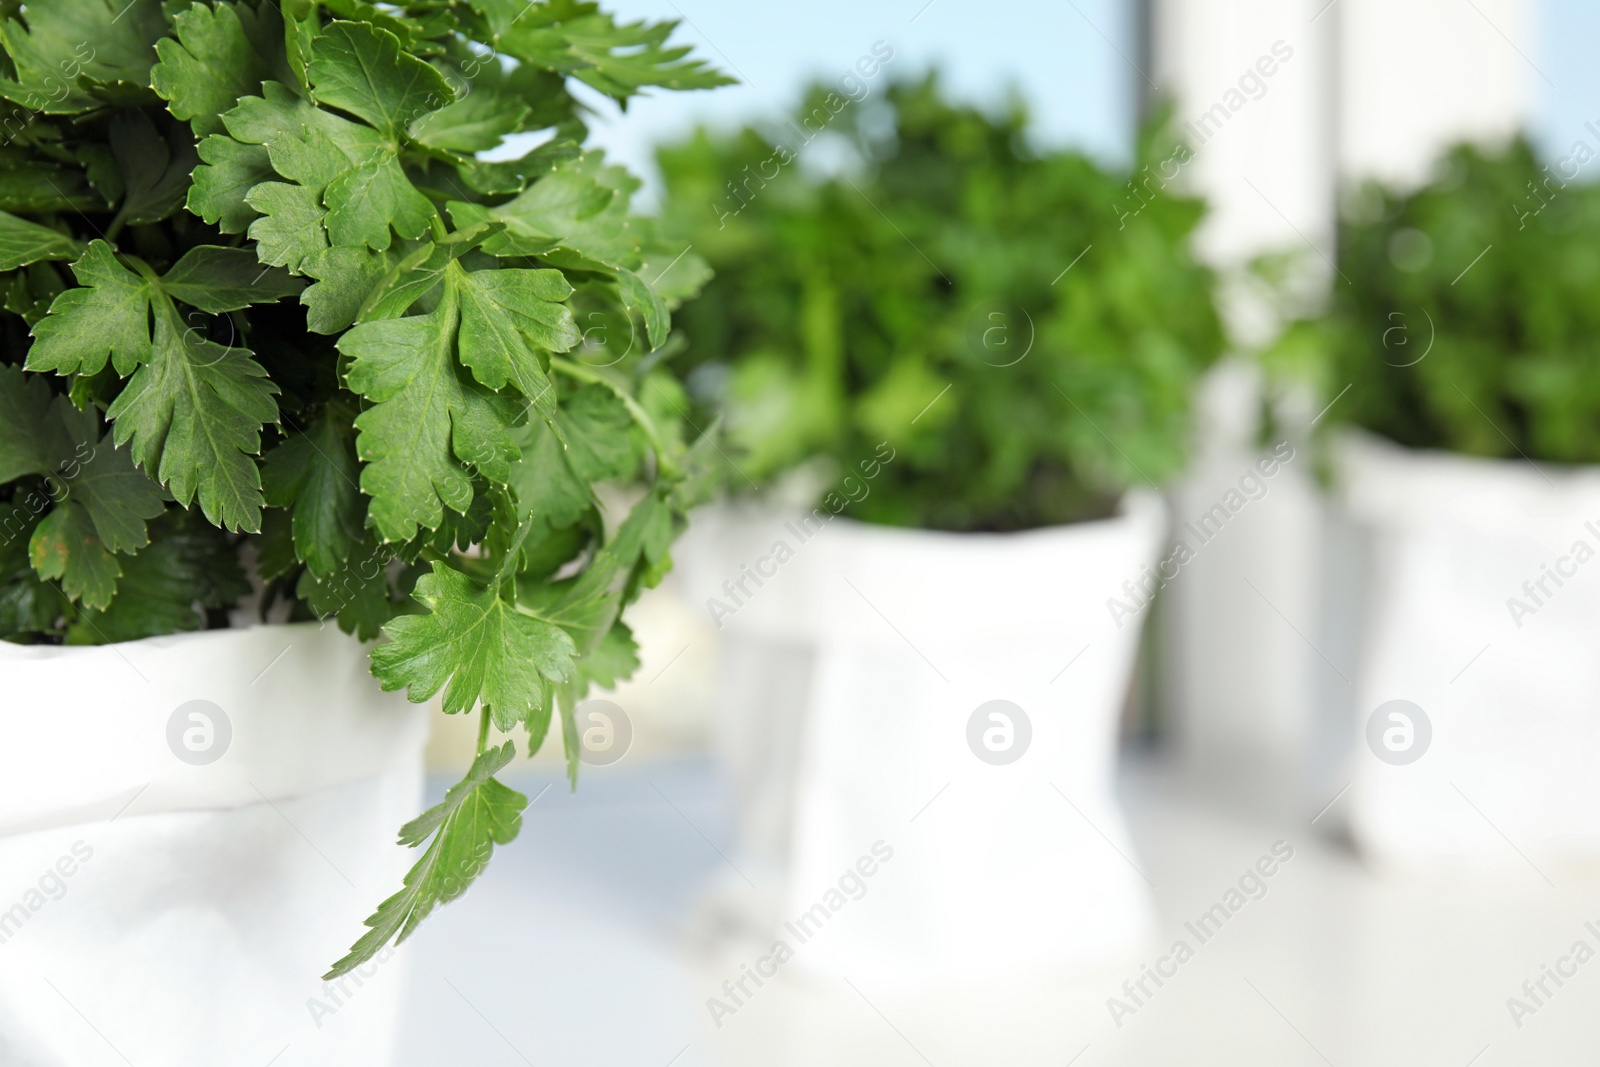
[1504,672]
[851,676]
[156,908]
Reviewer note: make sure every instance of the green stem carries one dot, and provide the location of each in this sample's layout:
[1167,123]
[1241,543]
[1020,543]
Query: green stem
[483,730]
[664,461]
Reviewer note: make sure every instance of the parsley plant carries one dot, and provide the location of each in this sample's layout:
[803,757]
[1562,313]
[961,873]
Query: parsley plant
[1463,315]
[413,445]
[1025,327]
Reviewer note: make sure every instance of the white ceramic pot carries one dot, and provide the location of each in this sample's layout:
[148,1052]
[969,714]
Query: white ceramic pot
[851,680]
[1482,609]
[175,876]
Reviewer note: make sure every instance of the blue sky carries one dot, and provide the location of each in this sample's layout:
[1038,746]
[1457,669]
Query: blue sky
[1062,54]
[1569,34]
[1072,59]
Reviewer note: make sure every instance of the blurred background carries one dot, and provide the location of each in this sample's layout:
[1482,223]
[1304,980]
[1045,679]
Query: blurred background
[1338,687]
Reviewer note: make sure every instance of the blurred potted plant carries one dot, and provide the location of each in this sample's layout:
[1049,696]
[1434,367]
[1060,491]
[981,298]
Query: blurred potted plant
[958,358]
[411,449]
[1462,348]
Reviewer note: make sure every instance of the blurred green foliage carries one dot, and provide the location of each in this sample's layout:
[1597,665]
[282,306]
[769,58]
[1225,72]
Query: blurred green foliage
[1466,315]
[932,251]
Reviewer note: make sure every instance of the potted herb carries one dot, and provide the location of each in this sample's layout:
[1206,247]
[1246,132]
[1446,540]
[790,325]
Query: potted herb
[279,342]
[965,363]
[1460,343]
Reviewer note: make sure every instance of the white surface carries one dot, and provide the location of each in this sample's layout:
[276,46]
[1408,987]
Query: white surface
[1240,671]
[1514,700]
[86,727]
[870,733]
[1238,675]
[564,952]
[569,952]
[1419,75]
[1265,157]
[153,912]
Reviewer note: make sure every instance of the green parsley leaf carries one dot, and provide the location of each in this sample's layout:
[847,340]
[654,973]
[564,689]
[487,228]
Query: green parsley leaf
[638,296]
[356,594]
[428,419]
[193,409]
[216,279]
[32,185]
[597,426]
[543,482]
[193,415]
[577,38]
[106,316]
[475,123]
[220,54]
[345,183]
[587,607]
[372,197]
[23,242]
[230,171]
[72,55]
[473,645]
[361,69]
[503,313]
[314,473]
[188,566]
[64,545]
[101,502]
[477,814]
[346,277]
[155,168]
[572,209]
[616,657]
[28,606]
